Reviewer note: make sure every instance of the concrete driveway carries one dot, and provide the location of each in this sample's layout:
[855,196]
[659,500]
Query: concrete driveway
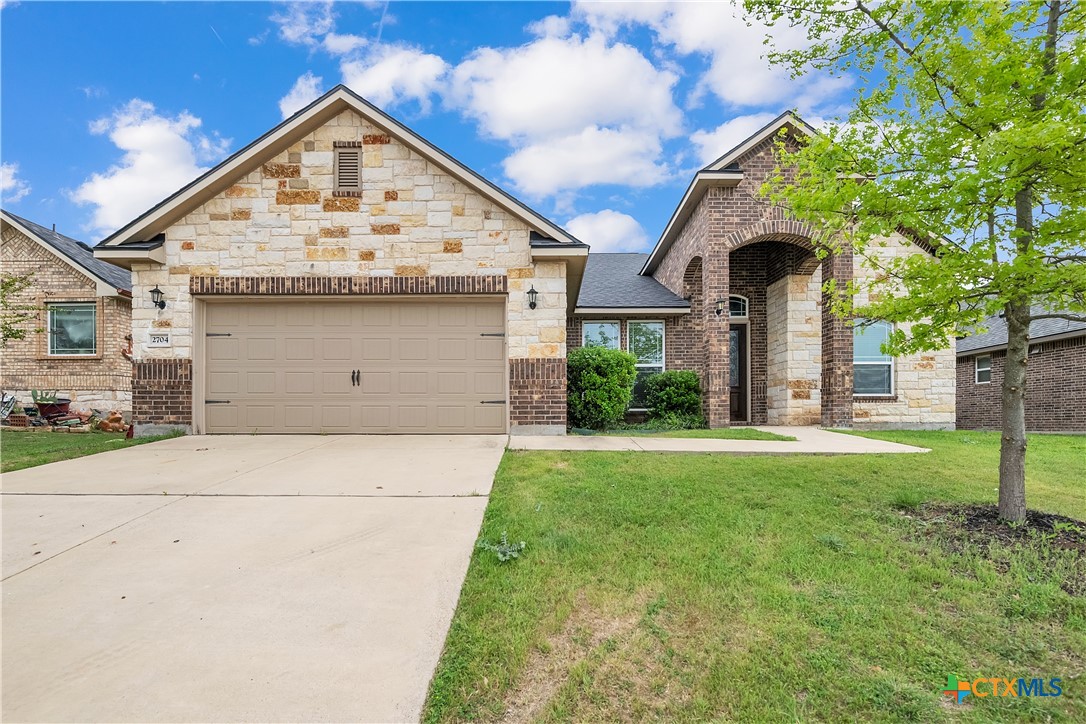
[243,578]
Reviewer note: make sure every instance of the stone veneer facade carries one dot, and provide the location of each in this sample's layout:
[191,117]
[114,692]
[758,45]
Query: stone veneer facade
[102,381]
[1055,388]
[281,228]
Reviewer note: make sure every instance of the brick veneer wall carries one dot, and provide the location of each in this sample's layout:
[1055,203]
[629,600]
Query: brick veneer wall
[161,394]
[537,395]
[1055,389]
[334,285]
[100,382]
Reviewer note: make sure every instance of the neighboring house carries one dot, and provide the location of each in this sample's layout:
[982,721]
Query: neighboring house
[341,274]
[1055,382]
[77,345]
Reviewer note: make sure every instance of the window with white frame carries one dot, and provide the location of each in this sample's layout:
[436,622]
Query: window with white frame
[983,369]
[645,341]
[601,334]
[73,328]
[872,369]
[737,307]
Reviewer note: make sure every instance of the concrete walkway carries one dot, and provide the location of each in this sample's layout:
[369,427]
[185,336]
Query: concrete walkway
[809,441]
[238,578]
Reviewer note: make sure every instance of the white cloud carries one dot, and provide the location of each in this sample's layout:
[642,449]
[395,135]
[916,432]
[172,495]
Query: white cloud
[609,230]
[304,91]
[12,188]
[550,26]
[304,23]
[715,143]
[161,154]
[591,156]
[555,86]
[393,74]
[738,72]
[337,44]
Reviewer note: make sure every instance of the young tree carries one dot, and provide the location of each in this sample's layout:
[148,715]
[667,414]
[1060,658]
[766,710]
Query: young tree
[15,314]
[968,131]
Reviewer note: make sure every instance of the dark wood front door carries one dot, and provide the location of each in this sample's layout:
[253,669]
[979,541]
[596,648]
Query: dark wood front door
[737,372]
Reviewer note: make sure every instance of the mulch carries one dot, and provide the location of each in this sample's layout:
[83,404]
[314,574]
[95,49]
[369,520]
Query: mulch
[979,526]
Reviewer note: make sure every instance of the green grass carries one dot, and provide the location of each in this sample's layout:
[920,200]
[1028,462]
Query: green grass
[684,588]
[726,433]
[20,450]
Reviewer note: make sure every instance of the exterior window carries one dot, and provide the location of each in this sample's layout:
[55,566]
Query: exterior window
[984,369]
[737,306]
[72,329]
[601,334]
[873,370]
[646,342]
[348,170]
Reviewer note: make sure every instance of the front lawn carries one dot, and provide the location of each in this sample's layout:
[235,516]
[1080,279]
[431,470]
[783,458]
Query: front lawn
[690,587]
[20,450]
[725,433]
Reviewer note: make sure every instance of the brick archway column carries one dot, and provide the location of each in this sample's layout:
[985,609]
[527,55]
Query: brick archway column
[836,347]
[715,273]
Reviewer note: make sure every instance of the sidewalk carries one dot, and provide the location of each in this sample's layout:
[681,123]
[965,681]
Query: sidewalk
[809,441]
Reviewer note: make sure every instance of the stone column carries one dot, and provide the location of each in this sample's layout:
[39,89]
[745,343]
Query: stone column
[836,347]
[715,284]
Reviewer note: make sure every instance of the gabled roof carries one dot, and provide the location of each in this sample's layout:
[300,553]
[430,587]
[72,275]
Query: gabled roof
[1039,329]
[725,171]
[76,253]
[332,103]
[730,159]
[613,282]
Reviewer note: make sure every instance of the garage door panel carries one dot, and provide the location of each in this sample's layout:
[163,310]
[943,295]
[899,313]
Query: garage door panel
[260,349]
[297,348]
[260,383]
[422,366]
[299,383]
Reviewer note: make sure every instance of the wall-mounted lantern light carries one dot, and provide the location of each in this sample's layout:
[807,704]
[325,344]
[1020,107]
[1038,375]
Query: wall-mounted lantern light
[157,298]
[721,305]
[532,296]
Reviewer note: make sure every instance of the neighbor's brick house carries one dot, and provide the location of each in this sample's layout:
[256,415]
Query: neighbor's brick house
[341,274]
[78,342]
[1055,382]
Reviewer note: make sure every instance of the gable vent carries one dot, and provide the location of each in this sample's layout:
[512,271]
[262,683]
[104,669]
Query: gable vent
[348,169]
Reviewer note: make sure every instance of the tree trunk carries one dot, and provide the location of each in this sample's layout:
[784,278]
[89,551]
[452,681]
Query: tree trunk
[1012,451]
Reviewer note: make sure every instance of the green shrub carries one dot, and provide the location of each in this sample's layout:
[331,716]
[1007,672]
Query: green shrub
[673,394]
[600,384]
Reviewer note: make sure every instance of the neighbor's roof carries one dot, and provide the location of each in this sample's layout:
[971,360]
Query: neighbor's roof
[74,251]
[335,101]
[612,281]
[996,336]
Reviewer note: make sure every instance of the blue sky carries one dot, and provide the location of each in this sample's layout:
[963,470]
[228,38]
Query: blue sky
[596,114]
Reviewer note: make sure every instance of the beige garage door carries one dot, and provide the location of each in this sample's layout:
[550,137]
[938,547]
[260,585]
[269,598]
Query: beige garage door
[435,366]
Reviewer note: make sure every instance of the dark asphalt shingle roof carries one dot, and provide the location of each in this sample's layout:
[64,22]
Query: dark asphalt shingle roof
[79,253]
[612,281]
[996,336]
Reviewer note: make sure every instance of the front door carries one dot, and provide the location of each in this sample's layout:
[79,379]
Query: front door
[737,372]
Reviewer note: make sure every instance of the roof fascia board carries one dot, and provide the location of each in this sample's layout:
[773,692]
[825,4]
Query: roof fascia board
[336,101]
[622,311]
[102,288]
[123,257]
[553,252]
[702,181]
[784,119]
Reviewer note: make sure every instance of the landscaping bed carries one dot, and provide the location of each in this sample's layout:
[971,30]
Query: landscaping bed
[681,588]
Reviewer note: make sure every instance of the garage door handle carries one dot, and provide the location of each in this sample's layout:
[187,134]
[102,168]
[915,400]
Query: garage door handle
[355,374]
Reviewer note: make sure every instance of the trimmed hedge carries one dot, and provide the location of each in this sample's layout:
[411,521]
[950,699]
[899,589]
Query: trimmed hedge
[673,394]
[600,382]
